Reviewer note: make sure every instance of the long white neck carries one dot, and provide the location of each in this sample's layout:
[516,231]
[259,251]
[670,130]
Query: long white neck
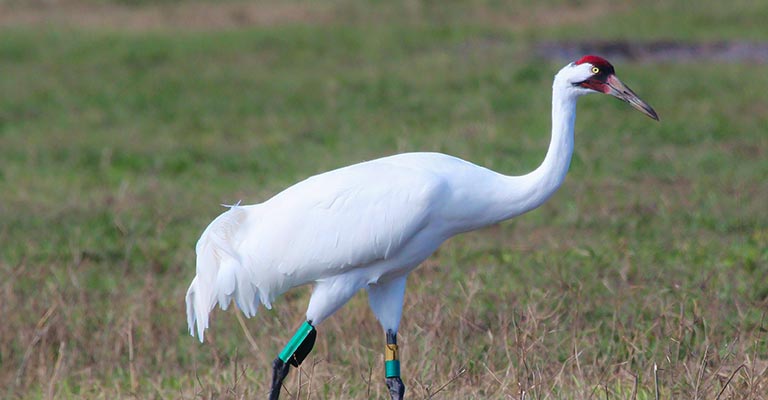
[541,184]
[516,195]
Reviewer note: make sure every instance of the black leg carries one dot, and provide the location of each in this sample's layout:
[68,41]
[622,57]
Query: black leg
[279,372]
[392,367]
[396,388]
[293,354]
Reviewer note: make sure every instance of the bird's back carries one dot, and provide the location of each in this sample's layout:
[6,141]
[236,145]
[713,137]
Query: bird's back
[342,219]
[329,224]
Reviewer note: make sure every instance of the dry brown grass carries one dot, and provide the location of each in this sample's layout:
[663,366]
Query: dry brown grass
[164,16]
[459,339]
[206,16]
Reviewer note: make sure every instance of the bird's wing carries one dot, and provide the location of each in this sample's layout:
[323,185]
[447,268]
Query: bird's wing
[321,227]
[341,220]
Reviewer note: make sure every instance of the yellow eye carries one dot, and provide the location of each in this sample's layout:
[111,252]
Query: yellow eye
[595,70]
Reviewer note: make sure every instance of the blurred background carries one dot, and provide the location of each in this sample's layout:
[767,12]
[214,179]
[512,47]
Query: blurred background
[125,124]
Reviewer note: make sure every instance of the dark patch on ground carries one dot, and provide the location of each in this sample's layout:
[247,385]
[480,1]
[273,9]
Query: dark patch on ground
[663,50]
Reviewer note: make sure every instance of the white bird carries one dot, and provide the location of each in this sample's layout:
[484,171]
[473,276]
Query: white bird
[368,225]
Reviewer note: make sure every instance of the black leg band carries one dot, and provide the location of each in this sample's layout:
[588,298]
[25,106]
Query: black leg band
[293,354]
[304,348]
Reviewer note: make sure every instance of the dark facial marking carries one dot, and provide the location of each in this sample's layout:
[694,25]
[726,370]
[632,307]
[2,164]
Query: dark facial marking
[597,81]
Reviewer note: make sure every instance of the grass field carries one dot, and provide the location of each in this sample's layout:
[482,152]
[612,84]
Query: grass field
[124,125]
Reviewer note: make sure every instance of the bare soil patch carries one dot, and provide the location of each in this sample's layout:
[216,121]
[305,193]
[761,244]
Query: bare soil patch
[665,50]
[192,15]
[185,16]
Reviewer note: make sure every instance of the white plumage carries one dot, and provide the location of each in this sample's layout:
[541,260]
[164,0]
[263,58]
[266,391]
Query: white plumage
[370,224]
[356,226]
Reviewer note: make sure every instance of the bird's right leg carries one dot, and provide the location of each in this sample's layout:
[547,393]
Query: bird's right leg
[392,368]
[386,300]
[293,354]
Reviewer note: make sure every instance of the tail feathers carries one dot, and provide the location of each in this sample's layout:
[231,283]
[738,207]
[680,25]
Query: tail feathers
[197,310]
[220,274]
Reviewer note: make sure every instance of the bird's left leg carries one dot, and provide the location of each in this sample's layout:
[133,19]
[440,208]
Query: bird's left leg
[386,301]
[293,354]
[329,295]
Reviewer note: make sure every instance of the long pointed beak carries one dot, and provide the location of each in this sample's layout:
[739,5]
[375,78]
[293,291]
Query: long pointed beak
[619,90]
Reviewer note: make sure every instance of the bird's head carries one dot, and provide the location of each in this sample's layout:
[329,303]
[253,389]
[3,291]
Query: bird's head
[592,74]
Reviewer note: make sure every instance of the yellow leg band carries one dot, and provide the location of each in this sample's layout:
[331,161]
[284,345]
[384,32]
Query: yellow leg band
[390,353]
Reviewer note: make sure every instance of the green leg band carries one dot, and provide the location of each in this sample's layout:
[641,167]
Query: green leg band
[295,342]
[392,368]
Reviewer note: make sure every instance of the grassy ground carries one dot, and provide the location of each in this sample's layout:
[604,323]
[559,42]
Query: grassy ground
[119,141]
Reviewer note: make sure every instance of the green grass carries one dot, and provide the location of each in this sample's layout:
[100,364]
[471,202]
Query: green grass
[117,147]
